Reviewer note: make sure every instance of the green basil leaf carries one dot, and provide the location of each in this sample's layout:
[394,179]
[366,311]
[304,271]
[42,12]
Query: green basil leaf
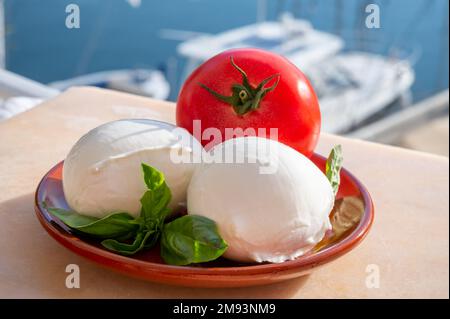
[153,178]
[154,204]
[333,167]
[191,239]
[155,200]
[126,236]
[71,218]
[111,226]
[128,249]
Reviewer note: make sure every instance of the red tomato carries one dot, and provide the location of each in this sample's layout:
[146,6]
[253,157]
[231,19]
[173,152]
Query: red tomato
[251,88]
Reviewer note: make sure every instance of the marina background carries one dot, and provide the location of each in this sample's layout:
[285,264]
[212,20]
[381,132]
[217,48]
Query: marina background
[114,34]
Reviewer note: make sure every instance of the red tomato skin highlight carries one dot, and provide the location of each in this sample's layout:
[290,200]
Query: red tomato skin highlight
[292,106]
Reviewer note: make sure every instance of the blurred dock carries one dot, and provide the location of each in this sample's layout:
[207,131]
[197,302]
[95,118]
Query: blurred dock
[423,127]
[431,137]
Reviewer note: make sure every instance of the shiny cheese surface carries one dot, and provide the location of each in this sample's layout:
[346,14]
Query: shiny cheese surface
[274,206]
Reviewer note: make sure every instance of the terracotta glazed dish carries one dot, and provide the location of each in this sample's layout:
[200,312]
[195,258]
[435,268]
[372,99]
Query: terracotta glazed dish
[351,218]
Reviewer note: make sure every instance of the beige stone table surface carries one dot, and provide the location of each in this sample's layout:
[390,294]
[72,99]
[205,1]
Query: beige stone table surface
[408,246]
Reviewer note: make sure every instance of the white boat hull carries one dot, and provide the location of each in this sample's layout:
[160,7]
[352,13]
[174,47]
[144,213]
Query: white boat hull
[380,81]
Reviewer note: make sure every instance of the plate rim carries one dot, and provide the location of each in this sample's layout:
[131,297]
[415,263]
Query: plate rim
[78,246]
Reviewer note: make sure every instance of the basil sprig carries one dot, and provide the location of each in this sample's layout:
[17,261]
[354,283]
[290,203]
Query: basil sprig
[191,239]
[333,167]
[188,239]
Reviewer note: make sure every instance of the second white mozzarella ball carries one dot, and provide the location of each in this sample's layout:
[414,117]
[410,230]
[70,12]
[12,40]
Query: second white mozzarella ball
[270,203]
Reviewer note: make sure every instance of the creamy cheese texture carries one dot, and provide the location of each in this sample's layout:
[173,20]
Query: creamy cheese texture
[102,172]
[264,215]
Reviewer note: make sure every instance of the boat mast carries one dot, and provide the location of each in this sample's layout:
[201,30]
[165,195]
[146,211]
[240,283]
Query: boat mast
[2,35]
[443,51]
[261,11]
[338,17]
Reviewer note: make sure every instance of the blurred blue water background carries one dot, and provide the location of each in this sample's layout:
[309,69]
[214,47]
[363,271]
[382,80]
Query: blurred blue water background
[115,35]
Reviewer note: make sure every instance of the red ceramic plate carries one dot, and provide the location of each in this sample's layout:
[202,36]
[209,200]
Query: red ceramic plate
[351,218]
